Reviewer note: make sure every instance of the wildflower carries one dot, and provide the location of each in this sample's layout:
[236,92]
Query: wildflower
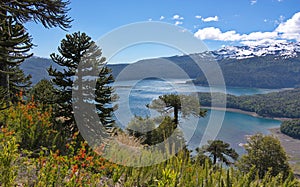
[74,168]
[82,153]
[89,158]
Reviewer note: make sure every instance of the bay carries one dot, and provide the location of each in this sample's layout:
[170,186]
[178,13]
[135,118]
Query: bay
[135,95]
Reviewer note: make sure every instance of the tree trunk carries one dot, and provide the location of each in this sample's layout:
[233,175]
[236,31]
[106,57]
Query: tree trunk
[176,115]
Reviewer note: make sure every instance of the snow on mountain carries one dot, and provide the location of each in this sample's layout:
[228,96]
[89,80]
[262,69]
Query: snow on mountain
[282,49]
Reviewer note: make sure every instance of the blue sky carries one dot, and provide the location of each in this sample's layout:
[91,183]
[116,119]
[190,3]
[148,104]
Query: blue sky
[218,23]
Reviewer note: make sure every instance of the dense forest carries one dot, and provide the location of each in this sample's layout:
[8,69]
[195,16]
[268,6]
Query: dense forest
[291,128]
[259,72]
[282,104]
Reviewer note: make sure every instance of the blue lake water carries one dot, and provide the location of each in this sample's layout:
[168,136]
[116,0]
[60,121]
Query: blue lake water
[134,95]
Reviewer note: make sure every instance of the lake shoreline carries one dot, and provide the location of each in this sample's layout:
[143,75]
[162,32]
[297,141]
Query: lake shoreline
[254,114]
[291,147]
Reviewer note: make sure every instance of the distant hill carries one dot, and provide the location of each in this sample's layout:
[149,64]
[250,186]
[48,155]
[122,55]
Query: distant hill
[274,66]
[281,104]
[37,68]
[269,71]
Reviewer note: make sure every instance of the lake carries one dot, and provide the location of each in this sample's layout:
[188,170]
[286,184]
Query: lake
[134,95]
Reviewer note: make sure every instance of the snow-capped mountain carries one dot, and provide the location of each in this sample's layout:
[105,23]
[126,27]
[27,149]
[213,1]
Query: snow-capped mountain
[283,49]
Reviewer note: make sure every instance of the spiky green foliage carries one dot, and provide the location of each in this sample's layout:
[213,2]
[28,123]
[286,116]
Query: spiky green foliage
[76,50]
[104,97]
[220,151]
[186,104]
[266,154]
[15,43]
[181,170]
[51,13]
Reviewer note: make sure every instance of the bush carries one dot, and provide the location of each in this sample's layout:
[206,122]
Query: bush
[32,125]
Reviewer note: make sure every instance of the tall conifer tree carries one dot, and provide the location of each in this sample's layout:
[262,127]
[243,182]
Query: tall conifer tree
[15,42]
[78,49]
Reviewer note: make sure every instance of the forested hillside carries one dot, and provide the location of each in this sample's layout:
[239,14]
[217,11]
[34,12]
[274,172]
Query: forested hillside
[285,104]
[257,72]
[291,128]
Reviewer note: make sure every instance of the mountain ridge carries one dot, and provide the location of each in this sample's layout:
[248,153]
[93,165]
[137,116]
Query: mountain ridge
[272,66]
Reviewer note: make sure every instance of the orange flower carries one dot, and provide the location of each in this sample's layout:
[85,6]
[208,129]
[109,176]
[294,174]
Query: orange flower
[89,158]
[74,168]
[82,153]
[77,157]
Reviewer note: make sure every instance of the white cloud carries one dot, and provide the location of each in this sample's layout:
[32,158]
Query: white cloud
[178,23]
[162,17]
[291,28]
[198,17]
[177,17]
[209,19]
[288,30]
[252,2]
[212,33]
[259,36]
[150,19]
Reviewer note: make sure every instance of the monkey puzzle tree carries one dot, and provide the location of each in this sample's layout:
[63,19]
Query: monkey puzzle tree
[221,151]
[186,104]
[76,50]
[51,13]
[15,42]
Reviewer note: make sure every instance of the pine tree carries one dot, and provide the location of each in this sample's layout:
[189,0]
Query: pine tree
[51,13]
[15,42]
[105,97]
[77,50]
[221,151]
[186,104]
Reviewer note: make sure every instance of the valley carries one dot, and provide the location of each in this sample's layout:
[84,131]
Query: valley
[150,93]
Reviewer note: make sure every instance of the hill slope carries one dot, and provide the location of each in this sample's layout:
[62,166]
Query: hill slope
[275,69]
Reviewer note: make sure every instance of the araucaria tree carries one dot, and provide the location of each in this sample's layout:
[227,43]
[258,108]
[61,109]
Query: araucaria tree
[186,104]
[76,50]
[51,13]
[15,42]
[220,151]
